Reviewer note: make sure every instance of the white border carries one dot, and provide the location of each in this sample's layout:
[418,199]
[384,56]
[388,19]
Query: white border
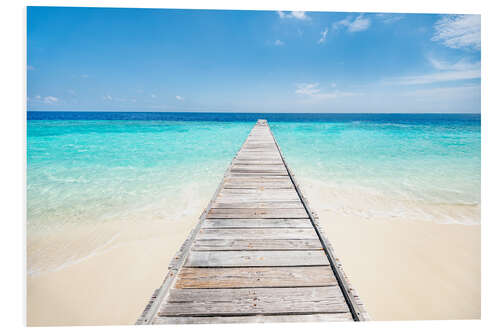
[13,154]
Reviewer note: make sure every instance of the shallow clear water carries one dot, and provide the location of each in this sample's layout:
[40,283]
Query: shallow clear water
[89,170]
[431,162]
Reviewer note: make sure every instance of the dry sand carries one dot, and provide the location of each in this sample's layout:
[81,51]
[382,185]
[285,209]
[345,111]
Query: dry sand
[404,269]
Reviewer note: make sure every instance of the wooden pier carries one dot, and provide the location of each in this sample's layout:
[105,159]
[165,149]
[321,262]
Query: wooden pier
[257,253]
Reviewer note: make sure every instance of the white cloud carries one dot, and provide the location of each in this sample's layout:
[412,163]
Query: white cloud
[461,70]
[50,99]
[360,23]
[313,92]
[279,43]
[307,89]
[323,36]
[294,15]
[389,18]
[179,98]
[108,97]
[460,65]
[459,31]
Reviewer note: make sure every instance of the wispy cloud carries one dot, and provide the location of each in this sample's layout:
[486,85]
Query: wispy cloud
[459,31]
[323,36]
[107,97]
[293,15]
[389,18]
[308,89]
[313,92]
[179,98]
[461,70]
[50,99]
[360,23]
[279,42]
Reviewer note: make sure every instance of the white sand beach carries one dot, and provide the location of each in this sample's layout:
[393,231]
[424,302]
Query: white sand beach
[404,269]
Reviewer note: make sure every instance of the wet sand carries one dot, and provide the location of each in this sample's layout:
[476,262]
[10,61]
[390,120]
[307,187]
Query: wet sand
[403,268]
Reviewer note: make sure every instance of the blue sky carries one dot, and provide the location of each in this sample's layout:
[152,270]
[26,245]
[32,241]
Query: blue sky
[105,59]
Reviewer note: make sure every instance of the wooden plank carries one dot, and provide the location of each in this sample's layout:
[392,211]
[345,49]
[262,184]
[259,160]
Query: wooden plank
[256,171]
[256,223]
[257,175]
[260,233]
[256,244]
[255,258]
[255,277]
[269,204]
[280,185]
[263,197]
[279,167]
[325,317]
[259,180]
[276,192]
[258,162]
[229,302]
[245,213]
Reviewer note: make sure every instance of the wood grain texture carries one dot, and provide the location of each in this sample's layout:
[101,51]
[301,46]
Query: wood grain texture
[254,204]
[325,317]
[256,258]
[227,302]
[255,277]
[246,213]
[256,223]
[257,233]
[256,244]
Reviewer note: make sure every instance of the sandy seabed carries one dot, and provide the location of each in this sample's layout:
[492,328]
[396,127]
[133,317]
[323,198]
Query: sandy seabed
[403,268]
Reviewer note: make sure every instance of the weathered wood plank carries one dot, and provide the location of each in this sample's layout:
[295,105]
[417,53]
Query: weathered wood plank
[257,175]
[256,258]
[255,277]
[325,317]
[270,204]
[245,213]
[256,223]
[227,302]
[276,192]
[281,185]
[279,167]
[256,244]
[260,233]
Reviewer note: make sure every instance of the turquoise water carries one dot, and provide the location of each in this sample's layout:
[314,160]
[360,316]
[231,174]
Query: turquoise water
[435,163]
[80,171]
[88,171]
